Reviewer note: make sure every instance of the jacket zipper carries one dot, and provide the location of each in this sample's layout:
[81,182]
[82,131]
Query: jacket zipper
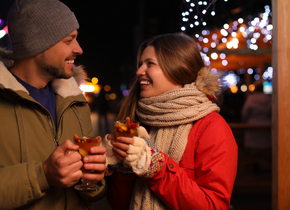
[51,126]
[52,130]
[69,106]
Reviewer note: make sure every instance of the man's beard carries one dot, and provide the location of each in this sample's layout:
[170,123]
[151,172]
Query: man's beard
[57,73]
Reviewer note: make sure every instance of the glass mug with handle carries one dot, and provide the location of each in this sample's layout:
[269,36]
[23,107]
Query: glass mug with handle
[85,144]
[126,128]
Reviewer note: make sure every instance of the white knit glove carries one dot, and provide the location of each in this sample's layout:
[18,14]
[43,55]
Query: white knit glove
[143,155]
[139,156]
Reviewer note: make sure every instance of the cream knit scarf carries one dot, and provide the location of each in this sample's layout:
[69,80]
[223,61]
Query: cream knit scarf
[171,116]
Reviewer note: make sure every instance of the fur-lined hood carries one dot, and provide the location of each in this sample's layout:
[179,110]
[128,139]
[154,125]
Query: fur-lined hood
[63,87]
[209,82]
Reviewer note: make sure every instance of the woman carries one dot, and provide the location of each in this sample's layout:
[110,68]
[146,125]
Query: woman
[188,158]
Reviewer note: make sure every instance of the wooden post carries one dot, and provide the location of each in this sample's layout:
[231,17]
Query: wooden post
[281,105]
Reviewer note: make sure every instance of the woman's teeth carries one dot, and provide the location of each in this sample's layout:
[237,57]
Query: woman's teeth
[144,82]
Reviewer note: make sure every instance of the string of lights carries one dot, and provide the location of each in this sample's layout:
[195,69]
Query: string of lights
[250,36]
[255,32]
[193,12]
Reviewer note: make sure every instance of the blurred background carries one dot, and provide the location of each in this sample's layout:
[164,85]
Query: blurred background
[235,38]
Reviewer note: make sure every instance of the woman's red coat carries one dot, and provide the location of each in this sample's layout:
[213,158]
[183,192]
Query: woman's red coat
[203,179]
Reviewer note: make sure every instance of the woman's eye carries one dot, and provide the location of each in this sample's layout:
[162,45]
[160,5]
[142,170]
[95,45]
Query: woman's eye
[150,63]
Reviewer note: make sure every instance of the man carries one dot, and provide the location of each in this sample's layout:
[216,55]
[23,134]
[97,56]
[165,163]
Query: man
[41,108]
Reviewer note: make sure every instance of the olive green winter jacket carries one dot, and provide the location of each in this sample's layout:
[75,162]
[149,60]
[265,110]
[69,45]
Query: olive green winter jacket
[28,137]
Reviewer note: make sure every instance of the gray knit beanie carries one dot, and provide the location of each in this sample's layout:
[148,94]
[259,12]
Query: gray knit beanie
[36,25]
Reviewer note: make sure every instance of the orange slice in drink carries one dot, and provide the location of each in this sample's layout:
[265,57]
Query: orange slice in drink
[83,152]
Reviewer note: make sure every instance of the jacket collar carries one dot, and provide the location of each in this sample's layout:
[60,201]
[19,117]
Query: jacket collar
[62,87]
